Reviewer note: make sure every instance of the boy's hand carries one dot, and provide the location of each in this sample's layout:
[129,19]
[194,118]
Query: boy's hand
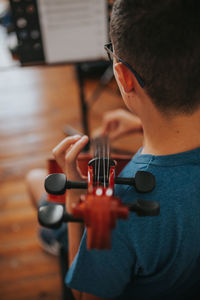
[66,154]
[119,122]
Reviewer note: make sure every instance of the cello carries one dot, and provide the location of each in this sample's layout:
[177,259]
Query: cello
[99,209]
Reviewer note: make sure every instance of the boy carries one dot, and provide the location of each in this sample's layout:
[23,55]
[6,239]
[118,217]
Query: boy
[155,48]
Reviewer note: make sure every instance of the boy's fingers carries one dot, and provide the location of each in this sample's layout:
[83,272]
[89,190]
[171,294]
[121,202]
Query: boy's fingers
[71,156]
[60,150]
[65,144]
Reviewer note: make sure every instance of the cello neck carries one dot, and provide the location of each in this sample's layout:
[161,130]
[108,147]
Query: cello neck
[101,147]
[101,161]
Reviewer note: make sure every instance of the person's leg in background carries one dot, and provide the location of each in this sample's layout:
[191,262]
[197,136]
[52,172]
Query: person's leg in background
[53,241]
[35,184]
[50,239]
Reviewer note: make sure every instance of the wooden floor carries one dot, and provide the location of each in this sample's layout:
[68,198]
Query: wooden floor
[35,104]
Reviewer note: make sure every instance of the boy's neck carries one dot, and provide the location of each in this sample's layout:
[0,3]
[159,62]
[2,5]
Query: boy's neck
[164,136]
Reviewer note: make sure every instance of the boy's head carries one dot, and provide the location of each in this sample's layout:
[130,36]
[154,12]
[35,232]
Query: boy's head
[161,41]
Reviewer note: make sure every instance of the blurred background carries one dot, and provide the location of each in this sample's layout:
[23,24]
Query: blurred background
[53,74]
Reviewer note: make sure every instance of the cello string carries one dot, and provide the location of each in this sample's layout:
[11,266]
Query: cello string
[102,152]
[104,164]
[95,156]
[108,162]
[98,163]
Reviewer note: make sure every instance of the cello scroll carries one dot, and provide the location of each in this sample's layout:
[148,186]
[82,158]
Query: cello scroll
[99,209]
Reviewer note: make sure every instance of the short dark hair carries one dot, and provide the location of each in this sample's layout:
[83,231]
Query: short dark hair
[161,40]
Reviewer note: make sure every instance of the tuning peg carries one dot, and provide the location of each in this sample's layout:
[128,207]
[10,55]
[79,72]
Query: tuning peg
[145,208]
[57,183]
[53,215]
[144,182]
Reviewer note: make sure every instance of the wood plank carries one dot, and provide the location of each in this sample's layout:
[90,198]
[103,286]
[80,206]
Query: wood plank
[25,215]
[12,168]
[29,144]
[15,232]
[12,249]
[41,287]
[15,201]
[25,265]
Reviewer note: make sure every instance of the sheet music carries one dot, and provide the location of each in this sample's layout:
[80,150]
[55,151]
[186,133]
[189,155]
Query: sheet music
[73,30]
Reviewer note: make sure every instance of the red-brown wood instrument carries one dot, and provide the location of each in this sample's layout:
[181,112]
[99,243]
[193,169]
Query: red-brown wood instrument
[99,209]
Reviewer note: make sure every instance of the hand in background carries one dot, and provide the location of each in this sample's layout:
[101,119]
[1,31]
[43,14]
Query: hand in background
[120,122]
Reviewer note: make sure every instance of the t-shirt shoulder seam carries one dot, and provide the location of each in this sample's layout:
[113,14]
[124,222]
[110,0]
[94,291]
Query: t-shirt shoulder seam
[163,165]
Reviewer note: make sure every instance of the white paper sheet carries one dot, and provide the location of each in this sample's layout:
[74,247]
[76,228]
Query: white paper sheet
[73,30]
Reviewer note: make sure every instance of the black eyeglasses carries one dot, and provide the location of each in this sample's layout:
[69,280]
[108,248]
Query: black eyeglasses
[109,48]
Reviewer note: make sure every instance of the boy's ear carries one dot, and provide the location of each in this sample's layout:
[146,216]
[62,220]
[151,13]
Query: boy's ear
[125,77]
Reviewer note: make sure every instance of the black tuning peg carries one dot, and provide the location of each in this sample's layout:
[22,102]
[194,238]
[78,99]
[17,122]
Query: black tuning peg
[53,215]
[144,182]
[57,183]
[145,208]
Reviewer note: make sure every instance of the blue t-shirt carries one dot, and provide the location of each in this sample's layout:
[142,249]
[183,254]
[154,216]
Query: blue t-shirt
[151,257]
